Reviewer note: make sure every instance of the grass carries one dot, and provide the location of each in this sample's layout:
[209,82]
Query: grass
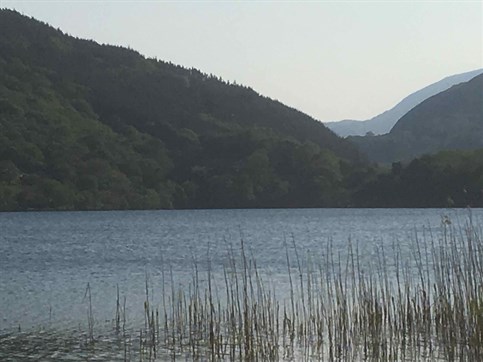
[429,307]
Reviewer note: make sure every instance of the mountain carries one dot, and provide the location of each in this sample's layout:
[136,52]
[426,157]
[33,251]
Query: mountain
[383,123]
[450,120]
[89,126]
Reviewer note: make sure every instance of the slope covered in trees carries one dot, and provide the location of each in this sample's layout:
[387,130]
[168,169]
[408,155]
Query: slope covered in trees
[384,122]
[89,126]
[450,120]
[85,126]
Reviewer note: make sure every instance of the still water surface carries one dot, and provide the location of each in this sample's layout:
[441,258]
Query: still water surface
[47,258]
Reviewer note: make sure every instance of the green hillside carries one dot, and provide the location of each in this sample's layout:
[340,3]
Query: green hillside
[450,120]
[89,126]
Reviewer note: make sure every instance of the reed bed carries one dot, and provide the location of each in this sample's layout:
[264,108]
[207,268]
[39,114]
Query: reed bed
[332,307]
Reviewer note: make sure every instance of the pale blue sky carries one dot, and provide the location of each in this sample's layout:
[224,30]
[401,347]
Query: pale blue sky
[332,60]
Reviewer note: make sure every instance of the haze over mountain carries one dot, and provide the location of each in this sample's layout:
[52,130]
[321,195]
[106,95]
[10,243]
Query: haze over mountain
[450,120]
[89,126]
[382,123]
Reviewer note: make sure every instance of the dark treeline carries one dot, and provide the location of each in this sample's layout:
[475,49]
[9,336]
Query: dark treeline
[447,179]
[85,126]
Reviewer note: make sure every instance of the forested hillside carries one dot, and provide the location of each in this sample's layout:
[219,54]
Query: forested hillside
[450,120]
[384,122]
[89,126]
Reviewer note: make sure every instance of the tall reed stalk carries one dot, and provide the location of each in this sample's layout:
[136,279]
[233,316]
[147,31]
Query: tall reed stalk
[425,306]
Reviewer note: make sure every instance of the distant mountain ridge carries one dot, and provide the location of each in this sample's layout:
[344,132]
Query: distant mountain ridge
[450,120]
[383,123]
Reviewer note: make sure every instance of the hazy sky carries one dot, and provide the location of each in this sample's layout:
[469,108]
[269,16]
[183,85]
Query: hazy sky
[331,59]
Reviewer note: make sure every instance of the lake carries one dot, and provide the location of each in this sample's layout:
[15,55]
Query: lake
[47,258]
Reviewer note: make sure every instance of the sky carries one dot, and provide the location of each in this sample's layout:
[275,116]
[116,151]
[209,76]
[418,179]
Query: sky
[333,60]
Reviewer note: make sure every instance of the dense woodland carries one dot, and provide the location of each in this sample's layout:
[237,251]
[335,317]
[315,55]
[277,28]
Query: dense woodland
[446,179]
[85,126]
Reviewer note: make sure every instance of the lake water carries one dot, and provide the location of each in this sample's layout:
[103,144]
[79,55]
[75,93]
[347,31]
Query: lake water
[47,258]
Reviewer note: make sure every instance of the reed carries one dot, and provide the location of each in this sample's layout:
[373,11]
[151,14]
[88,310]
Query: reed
[431,307]
[335,307]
